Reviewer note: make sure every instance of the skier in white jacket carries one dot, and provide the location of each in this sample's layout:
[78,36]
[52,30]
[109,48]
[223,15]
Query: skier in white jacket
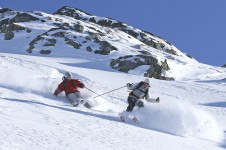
[139,91]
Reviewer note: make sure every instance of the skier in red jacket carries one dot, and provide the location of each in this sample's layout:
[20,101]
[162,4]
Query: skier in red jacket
[70,87]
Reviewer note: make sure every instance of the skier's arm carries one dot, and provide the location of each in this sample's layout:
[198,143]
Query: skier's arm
[79,84]
[147,98]
[152,100]
[131,86]
[59,89]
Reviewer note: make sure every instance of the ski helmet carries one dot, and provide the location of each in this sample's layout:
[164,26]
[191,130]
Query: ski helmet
[147,81]
[68,74]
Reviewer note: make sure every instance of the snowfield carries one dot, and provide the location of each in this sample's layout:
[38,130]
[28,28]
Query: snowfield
[191,114]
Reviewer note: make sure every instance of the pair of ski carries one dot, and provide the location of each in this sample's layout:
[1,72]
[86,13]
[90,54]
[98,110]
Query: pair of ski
[134,119]
[86,104]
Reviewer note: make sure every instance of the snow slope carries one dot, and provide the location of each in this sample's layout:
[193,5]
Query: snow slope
[191,114]
[44,29]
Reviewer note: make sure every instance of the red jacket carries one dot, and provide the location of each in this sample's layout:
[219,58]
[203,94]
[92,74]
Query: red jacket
[69,86]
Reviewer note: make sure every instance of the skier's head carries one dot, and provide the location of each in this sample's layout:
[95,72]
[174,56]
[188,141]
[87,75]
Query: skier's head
[147,82]
[68,75]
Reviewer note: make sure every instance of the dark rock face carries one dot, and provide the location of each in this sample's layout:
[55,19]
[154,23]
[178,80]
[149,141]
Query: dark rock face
[7,26]
[224,66]
[130,62]
[89,49]
[71,12]
[165,65]
[33,42]
[23,17]
[171,51]
[105,48]
[73,43]
[4,10]
[79,28]
[130,32]
[45,51]
[50,42]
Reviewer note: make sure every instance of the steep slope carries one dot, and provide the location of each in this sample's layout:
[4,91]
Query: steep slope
[115,46]
[191,115]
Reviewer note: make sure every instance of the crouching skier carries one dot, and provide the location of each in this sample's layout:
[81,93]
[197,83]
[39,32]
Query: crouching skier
[70,87]
[139,91]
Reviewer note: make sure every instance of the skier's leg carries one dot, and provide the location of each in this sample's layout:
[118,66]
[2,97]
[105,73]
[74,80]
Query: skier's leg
[139,103]
[125,114]
[131,105]
[80,100]
[73,99]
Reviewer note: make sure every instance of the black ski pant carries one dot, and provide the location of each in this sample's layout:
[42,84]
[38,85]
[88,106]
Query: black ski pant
[132,103]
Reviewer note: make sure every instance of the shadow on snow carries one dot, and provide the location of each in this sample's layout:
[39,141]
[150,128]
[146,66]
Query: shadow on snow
[216,104]
[224,143]
[106,117]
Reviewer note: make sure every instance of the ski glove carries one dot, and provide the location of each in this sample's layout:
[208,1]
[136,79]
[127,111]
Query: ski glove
[158,100]
[128,85]
[81,85]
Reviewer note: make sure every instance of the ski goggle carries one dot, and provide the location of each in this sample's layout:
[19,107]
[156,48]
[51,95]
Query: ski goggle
[68,76]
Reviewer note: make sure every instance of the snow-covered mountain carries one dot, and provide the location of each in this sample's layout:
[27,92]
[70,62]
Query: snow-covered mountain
[115,45]
[37,48]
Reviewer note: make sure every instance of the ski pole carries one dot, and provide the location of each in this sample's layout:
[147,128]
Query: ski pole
[95,93]
[109,91]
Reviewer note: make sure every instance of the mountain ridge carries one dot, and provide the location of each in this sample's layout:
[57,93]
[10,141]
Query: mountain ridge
[126,48]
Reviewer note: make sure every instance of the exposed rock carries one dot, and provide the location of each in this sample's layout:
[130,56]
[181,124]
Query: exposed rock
[50,42]
[23,17]
[105,48]
[45,51]
[118,24]
[171,51]
[79,28]
[224,66]
[149,42]
[8,35]
[15,27]
[28,30]
[89,49]
[130,62]
[63,25]
[72,12]
[130,32]
[8,30]
[165,65]
[3,23]
[38,13]
[105,23]
[145,52]
[96,37]
[59,34]
[92,20]
[7,27]
[154,44]
[189,56]
[33,42]
[3,10]
[73,43]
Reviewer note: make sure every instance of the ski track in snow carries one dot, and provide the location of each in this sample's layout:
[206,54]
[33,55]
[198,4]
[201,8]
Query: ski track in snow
[31,116]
